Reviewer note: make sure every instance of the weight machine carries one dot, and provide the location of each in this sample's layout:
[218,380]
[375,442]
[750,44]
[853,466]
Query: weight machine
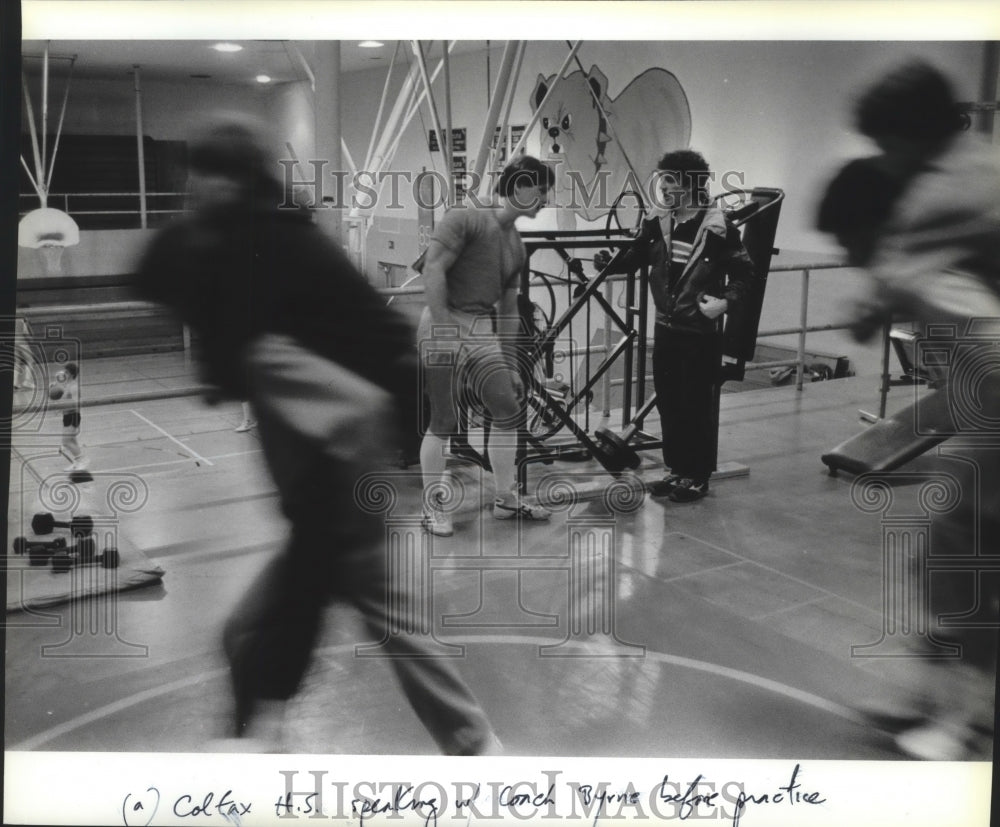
[554,408]
[618,452]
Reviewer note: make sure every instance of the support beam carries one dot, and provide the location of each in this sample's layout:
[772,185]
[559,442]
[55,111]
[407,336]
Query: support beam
[511,90]
[493,115]
[448,122]
[45,109]
[404,99]
[140,147]
[303,63]
[394,140]
[381,108]
[39,178]
[328,130]
[62,116]
[444,141]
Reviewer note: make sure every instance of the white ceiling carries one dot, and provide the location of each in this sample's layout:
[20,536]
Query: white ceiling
[184,60]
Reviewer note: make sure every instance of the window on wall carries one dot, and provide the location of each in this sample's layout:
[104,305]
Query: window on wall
[96,180]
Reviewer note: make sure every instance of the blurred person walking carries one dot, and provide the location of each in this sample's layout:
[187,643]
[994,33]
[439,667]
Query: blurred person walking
[287,323]
[923,217]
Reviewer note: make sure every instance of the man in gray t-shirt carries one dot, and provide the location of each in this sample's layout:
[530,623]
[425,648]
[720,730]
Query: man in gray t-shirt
[467,330]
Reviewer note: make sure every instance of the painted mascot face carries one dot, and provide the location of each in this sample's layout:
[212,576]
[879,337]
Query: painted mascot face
[608,145]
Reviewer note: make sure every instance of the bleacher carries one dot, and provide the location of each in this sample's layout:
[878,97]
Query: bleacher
[101,312]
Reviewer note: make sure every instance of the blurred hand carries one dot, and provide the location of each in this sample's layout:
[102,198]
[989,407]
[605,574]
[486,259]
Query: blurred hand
[868,319]
[601,259]
[712,307]
[518,387]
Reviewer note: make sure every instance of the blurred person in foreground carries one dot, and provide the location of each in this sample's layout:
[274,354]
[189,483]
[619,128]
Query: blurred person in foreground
[923,217]
[286,322]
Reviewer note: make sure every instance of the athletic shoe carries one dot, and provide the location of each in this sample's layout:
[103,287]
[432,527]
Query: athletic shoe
[688,490]
[245,425]
[79,464]
[662,488]
[437,522]
[520,507]
[934,742]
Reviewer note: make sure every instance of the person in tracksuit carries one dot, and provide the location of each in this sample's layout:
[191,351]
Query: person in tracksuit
[699,270]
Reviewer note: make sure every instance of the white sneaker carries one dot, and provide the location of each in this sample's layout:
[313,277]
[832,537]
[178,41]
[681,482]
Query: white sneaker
[79,464]
[506,508]
[933,742]
[246,425]
[437,521]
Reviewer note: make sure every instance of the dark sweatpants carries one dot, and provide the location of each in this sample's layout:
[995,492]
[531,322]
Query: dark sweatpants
[685,369]
[336,551]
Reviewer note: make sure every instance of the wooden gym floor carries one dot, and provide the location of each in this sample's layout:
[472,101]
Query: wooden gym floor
[732,619]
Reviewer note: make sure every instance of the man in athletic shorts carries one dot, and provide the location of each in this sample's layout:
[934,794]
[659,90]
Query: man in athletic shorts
[468,335]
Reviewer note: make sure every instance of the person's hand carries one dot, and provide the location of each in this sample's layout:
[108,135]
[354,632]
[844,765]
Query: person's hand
[868,317]
[712,307]
[518,387]
[602,258]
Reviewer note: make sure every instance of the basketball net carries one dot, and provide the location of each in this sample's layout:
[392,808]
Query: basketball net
[51,258]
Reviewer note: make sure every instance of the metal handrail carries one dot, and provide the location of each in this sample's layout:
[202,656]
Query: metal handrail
[802,329]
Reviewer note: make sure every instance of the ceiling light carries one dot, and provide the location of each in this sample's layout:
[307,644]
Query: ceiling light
[371,44]
[263,78]
[228,47]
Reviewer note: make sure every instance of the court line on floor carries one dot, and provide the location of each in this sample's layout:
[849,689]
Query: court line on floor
[192,453]
[178,461]
[748,678]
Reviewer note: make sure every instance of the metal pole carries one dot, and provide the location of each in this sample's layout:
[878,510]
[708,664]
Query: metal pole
[381,108]
[39,178]
[62,115]
[884,389]
[503,77]
[447,120]
[444,141]
[803,323]
[606,389]
[45,108]
[142,154]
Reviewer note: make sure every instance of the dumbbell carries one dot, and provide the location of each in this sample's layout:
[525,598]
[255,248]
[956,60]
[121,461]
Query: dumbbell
[40,554]
[46,523]
[63,561]
[22,545]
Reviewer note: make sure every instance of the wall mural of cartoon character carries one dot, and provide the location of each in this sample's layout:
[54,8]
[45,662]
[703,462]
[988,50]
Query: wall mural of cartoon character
[650,116]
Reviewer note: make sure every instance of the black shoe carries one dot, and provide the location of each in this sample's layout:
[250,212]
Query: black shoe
[688,490]
[662,488]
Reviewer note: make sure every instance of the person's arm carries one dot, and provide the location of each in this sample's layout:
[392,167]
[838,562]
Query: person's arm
[511,334]
[509,327]
[439,259]
[741,277]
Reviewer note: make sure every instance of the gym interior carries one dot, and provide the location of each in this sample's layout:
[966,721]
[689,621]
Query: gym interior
[756,623]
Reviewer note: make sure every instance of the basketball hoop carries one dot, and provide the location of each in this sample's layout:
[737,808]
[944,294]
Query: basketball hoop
[51,255]
[49,231]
